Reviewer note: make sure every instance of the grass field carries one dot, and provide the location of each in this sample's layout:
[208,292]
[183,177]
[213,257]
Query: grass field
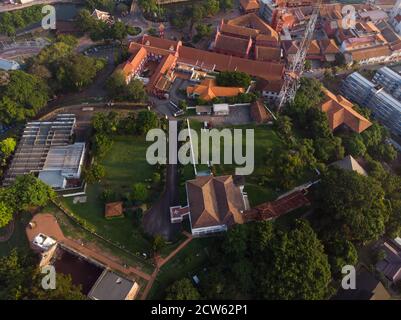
[125,165]
[188,262]
[18,239]
[265,138]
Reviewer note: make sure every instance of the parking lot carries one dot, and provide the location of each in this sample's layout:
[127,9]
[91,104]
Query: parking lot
[238,115]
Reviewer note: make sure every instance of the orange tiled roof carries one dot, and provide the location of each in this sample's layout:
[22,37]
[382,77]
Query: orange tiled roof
[328,46]
[252,21]
[368,53]
[207,90]
[214,201]
[270,71]
[314,48]
[113,209]
[340,111]
[248,5]
[259,113]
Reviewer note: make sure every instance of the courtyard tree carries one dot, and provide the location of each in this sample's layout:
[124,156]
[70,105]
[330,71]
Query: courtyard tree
[7,147]
[140,192]
[6,213]
[182,290]
[360,215]
[31,192]
[233,79]
[297,268]
[146,121]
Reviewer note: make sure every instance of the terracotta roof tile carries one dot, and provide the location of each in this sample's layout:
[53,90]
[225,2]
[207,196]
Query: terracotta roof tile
[232,44]
[113,209]
[207,90]
[267,53]
[248,5]
[214,201]
[340,111]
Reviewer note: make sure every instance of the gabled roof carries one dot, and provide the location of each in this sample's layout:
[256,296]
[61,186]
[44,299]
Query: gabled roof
[248,5]
[340,111]
[214,201]
[232,44]
[208,90]
[113,209]
[267,53]
[259,113]
[390,266]
[314,48]
[328,46]
[350,164]
[252,21]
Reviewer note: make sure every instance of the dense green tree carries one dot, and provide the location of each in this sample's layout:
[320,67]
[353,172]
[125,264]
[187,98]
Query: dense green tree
[20,279]
[354,145]
[140,192]
[352,204]
[119,90]
[95,173]
[212,7]
[102,144]
[78,71]
[233,79]
[226,4]
[298,267]
[30,191]
[6,213]
[182,290]
[146,121]
[22,97]
[7,147]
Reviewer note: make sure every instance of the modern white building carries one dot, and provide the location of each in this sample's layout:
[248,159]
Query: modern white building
[389,80]
[395,17]
[8,65]
[384,106]
[62,163]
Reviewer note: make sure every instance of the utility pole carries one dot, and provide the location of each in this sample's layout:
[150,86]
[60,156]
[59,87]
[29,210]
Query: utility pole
[295,69]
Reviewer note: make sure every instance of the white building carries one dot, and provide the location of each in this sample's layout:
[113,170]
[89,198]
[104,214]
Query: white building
[63,163]
[9,65]
[221,109]
[395,17]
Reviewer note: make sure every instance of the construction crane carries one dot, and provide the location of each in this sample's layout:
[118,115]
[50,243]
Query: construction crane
[295,69]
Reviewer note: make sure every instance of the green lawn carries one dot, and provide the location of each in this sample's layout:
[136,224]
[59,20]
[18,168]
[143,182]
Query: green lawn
[18,239]
[188,262]
[125,165]
[265,138]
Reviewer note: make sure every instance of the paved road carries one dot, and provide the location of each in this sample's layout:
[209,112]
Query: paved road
[157,220]
[12,7]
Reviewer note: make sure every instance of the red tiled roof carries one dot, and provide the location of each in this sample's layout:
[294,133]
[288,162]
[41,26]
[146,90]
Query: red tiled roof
[340,111]
[368,53]
[249,5]
[232,44]
[259,113]
[328,46]
[253,21]
[113,209]
[207,90]
[267,53]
